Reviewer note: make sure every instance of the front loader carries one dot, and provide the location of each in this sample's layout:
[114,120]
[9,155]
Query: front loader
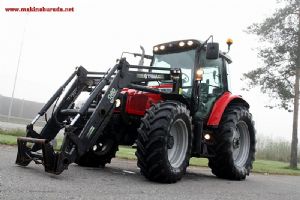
[176,108]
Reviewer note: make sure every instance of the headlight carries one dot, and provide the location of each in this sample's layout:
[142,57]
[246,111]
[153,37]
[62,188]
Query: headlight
[118,103]
[162,47]
[190,43]
[181,44]
[207,136]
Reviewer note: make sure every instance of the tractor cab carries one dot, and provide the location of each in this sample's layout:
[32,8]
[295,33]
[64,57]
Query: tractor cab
[192,57]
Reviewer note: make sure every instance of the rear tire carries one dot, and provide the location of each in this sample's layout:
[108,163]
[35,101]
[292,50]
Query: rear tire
[100,154]
[164,142]
[235,144]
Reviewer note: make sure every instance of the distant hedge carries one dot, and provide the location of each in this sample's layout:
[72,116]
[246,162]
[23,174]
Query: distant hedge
[274,149]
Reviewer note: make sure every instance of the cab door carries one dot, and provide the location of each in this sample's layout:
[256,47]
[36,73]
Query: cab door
[212,85]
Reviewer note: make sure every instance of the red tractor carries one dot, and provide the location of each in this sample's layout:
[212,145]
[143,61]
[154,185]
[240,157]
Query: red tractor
[177,108]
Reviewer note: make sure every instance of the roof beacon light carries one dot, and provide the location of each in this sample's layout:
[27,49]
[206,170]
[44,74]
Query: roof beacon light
[229,43]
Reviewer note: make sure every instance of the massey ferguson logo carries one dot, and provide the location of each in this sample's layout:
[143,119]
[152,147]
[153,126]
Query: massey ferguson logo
[112,95]
[150,76]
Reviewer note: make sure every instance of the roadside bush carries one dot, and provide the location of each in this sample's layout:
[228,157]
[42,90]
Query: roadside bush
[268,148]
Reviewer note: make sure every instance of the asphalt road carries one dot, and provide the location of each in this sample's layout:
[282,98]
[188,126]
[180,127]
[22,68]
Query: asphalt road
[121,180]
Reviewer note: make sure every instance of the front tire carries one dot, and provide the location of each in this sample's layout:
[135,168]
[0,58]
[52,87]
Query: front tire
[100,154]
[164,142]
[235,144]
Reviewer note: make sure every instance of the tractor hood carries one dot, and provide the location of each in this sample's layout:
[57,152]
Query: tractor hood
[137,102]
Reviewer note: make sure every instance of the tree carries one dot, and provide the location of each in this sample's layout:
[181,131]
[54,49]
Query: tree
[278,76]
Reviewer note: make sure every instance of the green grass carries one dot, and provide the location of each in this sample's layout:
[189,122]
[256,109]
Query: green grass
[8,139]
[201,162]
[13,132]
[260,166]
[126,152]
[274,167]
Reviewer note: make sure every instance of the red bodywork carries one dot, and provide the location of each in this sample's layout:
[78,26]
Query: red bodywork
[220,105]
[138,102]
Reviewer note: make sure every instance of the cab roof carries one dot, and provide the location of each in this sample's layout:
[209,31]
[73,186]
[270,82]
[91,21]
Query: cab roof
[183,45]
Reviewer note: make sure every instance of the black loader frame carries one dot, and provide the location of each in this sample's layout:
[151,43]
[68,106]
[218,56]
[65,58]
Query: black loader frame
[85,125]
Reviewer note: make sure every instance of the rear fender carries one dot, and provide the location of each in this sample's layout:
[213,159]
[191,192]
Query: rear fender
[221,104]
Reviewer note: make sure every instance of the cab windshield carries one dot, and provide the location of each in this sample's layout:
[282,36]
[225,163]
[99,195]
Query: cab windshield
[183,60]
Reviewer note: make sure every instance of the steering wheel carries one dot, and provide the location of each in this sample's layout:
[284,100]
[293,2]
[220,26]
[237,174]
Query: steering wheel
[185,78]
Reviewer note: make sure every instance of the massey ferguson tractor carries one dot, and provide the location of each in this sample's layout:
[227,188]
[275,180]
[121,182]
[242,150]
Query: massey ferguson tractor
[177,108]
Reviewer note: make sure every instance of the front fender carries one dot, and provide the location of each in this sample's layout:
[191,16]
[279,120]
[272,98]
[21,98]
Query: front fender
[220,106]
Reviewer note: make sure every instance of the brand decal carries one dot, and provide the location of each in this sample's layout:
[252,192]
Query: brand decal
[112,94]
[150,76]
[90,132]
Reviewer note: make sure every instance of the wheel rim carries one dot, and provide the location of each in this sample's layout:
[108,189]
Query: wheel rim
[177,143]
[241,144]
[101,148]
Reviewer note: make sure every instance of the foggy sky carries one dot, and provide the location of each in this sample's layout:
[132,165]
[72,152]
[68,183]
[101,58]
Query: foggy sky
[95,35]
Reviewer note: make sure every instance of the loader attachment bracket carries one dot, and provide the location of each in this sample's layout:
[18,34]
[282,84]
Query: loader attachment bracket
[49,158]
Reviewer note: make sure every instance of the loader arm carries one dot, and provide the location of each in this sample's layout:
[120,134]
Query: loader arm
[84,126]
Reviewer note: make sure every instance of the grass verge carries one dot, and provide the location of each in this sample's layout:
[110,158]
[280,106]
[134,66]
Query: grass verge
[274,167]
[9,137]
[13,132]
[260,166]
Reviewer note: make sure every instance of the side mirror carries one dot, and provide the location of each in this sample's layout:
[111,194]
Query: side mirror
[212,50]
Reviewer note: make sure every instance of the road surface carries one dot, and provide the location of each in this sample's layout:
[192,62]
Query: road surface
[121,180]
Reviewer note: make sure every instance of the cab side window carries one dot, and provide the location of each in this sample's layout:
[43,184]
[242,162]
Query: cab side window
[212,76]
[211,86]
